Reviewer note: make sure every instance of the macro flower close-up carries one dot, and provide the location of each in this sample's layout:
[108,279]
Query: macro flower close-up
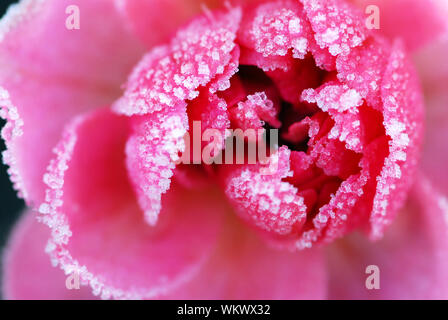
[243,149]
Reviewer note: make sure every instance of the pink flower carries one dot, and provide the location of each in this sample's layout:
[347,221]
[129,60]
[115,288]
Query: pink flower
[98,166]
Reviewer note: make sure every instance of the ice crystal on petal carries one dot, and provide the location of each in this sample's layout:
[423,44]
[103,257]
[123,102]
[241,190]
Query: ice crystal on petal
[173,73]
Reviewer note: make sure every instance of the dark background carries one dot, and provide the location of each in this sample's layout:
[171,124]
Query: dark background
[10,205]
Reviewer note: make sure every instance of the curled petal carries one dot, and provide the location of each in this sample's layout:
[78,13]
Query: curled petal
[50,73]
[262,198]
[276,27]
[28,273]
[270,31]
[252,113]
[412,258]
[338,26]
[151,152]
[403,118]
[363,69]
[171,74]
[342,103]
[97,228]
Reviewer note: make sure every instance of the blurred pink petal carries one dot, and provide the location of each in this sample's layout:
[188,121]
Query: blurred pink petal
[155,21]
[243,267]
[433,70]
[417,22]
[412,257]
[51,73]
[98,228]
[28,273]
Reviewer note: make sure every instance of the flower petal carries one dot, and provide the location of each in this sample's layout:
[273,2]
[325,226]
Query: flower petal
[337,25]
[403,121]
[145,16]
[98,229]
[172,73]
[50,74]
[433,71]
[417,22]
[151,153]
[262,198]
[28,273]
[243,267]
[412,257]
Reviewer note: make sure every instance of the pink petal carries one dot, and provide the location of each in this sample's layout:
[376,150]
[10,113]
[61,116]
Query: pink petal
[412,257]
[151,151]
[338,25]
[274,28]
[433,71]
[275,31]
[154,21]
[342,104]
[98,229]
[243,267]
[171,74]
[49,74]
[263,199]
[417,22]
[28,273]
[252,113]
[403,121]
[363,69]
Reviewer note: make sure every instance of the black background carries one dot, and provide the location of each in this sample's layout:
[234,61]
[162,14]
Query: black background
[10,205]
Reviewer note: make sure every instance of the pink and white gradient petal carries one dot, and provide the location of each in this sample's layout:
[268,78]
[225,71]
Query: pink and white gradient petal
[49,74]
[412,257]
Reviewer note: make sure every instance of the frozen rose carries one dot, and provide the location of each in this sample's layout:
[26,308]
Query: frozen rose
[100,170]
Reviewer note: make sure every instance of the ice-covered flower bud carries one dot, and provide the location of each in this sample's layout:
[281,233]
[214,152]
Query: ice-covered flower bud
[346,102]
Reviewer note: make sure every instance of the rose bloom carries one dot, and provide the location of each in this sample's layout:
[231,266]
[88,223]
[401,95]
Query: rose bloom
[97,118]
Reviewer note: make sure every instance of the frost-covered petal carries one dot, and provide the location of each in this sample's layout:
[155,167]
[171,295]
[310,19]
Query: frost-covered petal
[151,152]
[403,121]
[412,258]
[172,73]
[27,270]
[261,197]
[274,32]
[254,112]
[363,69]
[49,74]
[98,228]
[342,104]
[337,24]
